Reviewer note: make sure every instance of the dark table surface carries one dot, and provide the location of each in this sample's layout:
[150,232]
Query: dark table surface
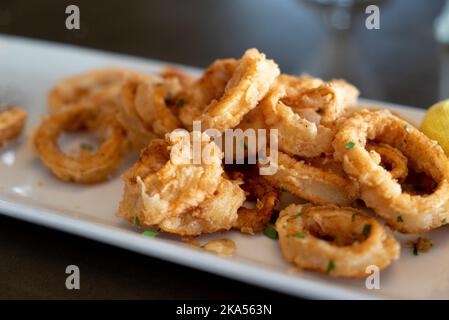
[400,62]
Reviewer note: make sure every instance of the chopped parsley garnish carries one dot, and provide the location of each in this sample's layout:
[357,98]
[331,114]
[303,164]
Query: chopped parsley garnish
[181,102]
[366,230]
[353,217]
[350,145]
[270,231]
[407,127]
[399,219]
[150,233]
[298,235]
[330,266]
[283,189]
[420,245]
[137,222]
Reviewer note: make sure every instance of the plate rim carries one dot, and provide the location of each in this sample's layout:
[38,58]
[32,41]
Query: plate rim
[174,253]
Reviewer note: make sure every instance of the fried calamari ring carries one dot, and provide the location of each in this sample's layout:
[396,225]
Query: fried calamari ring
[99,88]
[295,87]
[253,120]
[180,184]
[86,168]
[342,242]
[312,182]
[418,183]
[152,159]
[252,77]
[391,157]
[304,110]
[403,211]
[179,75]
[217,210]
[296,135]
[211,86]
[247,146]
[12,121]
[145,110]
[265,196]
[329,100]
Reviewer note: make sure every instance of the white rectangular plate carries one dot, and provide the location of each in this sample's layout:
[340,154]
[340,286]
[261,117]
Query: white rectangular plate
[28,68]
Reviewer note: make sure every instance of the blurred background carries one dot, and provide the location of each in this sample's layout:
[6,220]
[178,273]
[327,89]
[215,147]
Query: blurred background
[401,62]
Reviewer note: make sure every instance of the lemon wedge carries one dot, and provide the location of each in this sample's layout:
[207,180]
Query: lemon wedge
[436,124]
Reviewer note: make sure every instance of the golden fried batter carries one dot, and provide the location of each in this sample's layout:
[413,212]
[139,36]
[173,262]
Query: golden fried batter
[12,121]
[181,198]
[341,242]
[403,211]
